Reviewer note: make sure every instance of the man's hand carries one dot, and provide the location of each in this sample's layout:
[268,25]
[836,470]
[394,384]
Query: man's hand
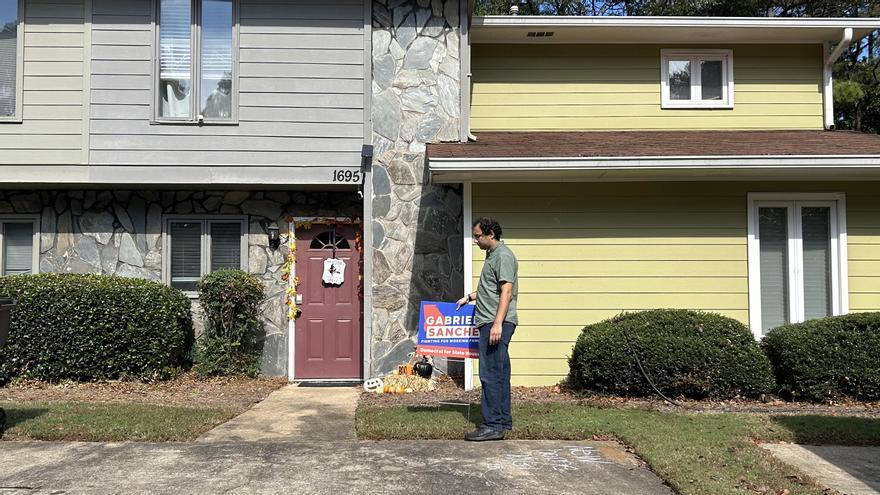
[461,302]
[495,334]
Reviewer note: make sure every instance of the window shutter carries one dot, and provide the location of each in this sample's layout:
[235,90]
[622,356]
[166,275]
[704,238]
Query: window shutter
[18,248]
[8,57]
[773,236]
[225,245]
[816,233]
[186,254]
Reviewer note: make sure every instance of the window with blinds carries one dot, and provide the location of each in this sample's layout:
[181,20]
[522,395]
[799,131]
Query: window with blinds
[9,57]
[798,247]
[199,246]
[202,30]
[16,247]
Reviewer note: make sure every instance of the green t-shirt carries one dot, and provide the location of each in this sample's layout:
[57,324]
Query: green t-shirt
[500,266]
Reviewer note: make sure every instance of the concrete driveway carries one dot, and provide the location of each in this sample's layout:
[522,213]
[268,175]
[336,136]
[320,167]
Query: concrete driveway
[849,470]
[324,467]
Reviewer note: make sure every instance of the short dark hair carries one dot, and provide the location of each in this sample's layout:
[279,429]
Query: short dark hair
[489,225]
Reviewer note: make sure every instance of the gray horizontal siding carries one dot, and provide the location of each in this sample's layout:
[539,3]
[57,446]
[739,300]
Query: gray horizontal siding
[301,90]
[239,158]
[51,131]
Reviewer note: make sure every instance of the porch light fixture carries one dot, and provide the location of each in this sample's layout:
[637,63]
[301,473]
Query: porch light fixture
[274,236]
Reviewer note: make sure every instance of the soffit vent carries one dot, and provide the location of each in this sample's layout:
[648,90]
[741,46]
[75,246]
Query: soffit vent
[540,34]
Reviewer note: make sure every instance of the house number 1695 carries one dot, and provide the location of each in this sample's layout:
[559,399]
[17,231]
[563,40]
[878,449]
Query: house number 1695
[346,176]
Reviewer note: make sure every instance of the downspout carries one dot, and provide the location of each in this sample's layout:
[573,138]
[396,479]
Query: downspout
[831,56]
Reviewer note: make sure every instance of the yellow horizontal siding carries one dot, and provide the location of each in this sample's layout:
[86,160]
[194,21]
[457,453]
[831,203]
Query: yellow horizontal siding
[532,380]
[863,229]
[588,252]
[582,87]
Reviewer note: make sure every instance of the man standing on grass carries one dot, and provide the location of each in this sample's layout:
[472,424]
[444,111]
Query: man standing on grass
[495,318]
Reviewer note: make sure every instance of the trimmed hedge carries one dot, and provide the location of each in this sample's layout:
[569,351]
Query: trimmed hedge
[230,300]
[94,327]
[827,358]
[685,353]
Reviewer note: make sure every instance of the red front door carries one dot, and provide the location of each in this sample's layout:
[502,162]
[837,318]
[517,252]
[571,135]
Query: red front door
[328,331]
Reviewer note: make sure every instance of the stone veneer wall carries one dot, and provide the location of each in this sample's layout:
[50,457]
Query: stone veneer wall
[120,233]
[416,227]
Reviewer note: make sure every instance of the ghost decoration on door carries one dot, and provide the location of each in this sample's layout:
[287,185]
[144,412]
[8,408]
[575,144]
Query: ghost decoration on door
[334,271]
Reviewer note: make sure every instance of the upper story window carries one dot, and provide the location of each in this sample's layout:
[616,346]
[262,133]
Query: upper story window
[697,78]
[18,241]
[200,245]
[11,53]
[203,31]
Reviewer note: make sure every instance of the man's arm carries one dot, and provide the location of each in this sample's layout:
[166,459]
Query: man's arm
[501,313]
[466,299]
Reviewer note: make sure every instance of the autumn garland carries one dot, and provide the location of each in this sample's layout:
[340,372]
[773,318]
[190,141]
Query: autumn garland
[287,268]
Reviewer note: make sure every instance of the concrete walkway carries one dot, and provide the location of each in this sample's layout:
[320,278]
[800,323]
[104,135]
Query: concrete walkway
[508,467]
[849,470]
[302,440]
[293,414]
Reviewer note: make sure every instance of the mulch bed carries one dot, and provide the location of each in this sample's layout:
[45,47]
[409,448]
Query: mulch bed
[187,390]
[448,391]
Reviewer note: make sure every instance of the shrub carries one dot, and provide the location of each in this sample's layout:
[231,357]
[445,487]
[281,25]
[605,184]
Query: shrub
[230,301]
[685,353]
[827,358]
[94,327]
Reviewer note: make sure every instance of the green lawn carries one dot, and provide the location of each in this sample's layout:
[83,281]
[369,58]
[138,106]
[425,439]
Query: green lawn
[695,453]
[104,422]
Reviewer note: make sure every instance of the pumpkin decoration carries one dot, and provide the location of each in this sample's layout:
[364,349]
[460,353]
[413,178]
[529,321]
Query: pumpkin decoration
[423,368]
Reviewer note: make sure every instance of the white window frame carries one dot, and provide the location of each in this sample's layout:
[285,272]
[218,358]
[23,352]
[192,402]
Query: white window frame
[16,118]
[206,221]
[33,219]
[195,70]
[839,272]
[695,57]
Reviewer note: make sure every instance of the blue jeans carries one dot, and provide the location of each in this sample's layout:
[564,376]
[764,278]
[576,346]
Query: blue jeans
[495,377]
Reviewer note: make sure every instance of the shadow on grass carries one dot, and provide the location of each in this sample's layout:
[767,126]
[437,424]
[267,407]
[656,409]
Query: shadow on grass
[470,412]
[831,430]
[14,416]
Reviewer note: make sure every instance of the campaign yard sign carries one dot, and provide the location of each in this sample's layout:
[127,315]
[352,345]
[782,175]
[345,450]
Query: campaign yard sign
[446,331]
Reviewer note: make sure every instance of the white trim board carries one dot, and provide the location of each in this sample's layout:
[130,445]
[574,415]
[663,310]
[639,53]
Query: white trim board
[677,21]
[649,168]
[662,30]
[706,161]
[468,272]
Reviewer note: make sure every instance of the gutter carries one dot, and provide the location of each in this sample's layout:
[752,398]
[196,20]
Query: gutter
[831,56]
[539,164]
[671,21]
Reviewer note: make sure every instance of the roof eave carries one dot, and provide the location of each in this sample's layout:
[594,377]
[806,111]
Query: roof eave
[740,167]
[571,29]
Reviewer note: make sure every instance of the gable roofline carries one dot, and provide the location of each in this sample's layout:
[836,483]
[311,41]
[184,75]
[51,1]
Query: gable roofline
[654,29]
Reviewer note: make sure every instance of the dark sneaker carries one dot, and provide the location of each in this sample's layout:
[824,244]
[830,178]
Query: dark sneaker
[484,433]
